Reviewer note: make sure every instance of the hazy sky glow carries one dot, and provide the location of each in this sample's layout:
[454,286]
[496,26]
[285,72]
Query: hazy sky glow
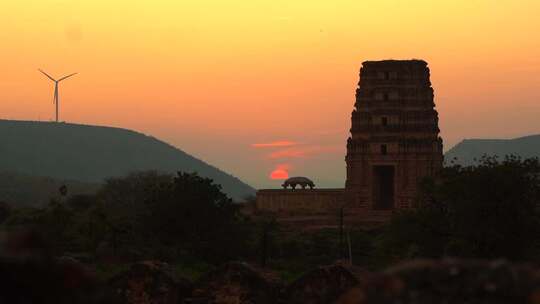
[263,89]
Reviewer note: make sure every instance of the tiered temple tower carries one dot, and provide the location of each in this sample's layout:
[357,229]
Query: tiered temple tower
[394,139]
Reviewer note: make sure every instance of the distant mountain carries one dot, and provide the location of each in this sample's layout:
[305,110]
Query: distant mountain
[469,149]
[91,154]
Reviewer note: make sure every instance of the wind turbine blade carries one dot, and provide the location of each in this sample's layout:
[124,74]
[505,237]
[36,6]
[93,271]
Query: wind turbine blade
[67,76]
[49,76]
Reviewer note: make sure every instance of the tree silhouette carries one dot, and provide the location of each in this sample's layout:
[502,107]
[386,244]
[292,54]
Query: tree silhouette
[487,211]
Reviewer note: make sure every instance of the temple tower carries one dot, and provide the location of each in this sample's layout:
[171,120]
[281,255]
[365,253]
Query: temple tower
[394,140]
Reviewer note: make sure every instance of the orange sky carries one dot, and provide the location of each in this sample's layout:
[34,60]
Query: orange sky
[216,77]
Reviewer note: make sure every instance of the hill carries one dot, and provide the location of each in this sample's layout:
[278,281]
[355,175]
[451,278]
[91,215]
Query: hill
[91,154]
[469,149]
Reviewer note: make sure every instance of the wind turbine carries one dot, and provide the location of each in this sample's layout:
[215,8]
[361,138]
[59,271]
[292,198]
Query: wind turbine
[56,99]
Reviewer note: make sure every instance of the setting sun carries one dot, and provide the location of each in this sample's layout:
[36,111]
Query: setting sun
[281,172]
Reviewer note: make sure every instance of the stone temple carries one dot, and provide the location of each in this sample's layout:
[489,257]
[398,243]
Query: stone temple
[394,143]
[394,138]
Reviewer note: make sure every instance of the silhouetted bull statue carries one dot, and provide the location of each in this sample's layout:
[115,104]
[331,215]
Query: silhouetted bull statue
[298,180]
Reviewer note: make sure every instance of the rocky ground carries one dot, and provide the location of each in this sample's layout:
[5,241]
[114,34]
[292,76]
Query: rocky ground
[418,282]
[30,275]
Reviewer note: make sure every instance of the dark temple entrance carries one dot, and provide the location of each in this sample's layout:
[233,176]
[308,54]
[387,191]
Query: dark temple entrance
[383,187]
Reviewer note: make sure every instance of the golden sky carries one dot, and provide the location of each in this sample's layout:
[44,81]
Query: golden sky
[216,78]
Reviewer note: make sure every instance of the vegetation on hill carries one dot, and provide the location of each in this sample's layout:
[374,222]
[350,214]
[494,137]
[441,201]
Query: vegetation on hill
[143,215]
[91,154]
[24,191]
[470,151]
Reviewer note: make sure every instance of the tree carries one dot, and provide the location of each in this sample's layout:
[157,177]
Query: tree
[124,201]
[486,211]
[193,215]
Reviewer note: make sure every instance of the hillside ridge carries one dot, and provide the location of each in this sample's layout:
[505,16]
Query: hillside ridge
[91,153]
[467,150]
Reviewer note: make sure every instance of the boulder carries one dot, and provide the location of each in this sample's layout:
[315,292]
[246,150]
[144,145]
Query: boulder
[236,283]
[320,286]
[149,282]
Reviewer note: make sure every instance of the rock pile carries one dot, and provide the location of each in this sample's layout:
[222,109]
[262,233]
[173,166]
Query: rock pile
[320,286]
[449,281]
[149,282]
[236,283]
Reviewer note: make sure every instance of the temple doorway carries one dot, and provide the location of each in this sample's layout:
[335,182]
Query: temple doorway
[383,187]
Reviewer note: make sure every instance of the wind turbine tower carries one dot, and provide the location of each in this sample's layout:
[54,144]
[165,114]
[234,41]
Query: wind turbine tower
[56,99]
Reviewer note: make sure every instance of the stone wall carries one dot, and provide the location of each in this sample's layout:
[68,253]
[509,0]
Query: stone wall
[299,201]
